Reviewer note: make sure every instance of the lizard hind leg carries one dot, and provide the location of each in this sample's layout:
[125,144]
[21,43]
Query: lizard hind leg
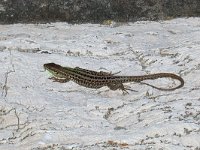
[120,86]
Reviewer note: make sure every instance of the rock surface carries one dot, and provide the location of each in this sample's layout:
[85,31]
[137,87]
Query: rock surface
[38,114]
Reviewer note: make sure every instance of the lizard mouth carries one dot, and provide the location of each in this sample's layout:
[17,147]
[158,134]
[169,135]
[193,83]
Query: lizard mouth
[45,67]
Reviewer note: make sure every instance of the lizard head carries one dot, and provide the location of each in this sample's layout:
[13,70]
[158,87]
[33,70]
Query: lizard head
[53,69]
[51,66]
[58,71]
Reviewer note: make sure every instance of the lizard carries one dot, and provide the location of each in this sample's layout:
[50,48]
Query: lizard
[94,79]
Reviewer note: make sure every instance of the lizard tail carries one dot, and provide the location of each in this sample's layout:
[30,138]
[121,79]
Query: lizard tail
[161,75]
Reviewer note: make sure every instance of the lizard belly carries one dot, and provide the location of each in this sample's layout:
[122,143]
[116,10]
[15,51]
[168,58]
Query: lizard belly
[88,84]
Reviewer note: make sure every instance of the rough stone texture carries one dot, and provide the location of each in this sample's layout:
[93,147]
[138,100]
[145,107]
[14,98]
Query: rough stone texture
[39,114]
[79,11]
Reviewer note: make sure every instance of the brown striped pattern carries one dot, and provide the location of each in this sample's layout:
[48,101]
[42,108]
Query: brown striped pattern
[93,79]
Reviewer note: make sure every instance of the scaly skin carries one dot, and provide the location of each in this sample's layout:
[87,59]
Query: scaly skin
[93,79]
